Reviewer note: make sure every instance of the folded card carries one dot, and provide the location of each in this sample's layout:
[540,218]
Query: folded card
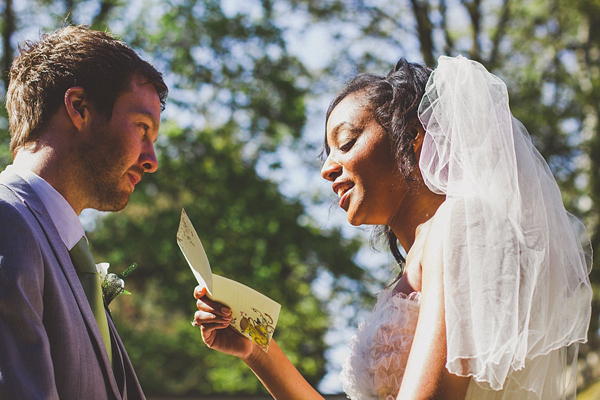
[254,315]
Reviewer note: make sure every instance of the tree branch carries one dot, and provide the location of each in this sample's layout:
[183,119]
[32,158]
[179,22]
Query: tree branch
[424,30]
[474,10]
[379,14]
[449,45]
[499,34]
[101,18]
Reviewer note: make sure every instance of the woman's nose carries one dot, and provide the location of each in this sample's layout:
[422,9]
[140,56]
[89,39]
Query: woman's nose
[331,169]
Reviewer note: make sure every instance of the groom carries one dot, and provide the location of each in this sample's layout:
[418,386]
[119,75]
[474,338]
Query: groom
[84,112]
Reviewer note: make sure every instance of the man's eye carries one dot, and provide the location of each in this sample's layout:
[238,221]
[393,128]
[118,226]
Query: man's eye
[348,145]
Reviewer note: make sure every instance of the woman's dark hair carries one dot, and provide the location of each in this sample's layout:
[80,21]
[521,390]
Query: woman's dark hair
[394,100]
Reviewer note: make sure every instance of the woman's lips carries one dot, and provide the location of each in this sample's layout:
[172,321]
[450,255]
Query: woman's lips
[342,189]
[344,200]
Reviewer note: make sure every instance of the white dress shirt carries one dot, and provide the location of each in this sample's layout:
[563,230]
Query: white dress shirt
[62,214]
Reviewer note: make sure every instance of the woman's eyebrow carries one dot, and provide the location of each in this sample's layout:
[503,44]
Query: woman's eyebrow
[335,132]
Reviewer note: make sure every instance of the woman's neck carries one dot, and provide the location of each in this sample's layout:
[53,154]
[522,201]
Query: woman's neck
[423,204]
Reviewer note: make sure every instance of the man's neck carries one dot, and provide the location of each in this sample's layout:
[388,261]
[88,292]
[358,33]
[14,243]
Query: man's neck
[45,162]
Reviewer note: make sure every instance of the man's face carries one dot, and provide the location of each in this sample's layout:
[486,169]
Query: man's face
[117,152]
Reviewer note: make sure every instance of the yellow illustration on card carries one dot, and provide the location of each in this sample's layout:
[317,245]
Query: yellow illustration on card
[259,329]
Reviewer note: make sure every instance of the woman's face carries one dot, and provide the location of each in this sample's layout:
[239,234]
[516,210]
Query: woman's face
[361,164]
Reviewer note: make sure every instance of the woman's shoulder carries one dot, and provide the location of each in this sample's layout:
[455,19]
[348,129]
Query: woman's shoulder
[428,243]
[457,208]
[437,225]
[455,214]
[452,216]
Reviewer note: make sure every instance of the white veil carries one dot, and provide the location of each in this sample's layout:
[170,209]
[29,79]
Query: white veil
[515,274]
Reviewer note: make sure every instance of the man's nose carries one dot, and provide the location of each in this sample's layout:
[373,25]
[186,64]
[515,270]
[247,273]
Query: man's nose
[148,159]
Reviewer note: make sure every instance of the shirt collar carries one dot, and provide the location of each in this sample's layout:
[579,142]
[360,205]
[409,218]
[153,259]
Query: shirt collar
[62,214]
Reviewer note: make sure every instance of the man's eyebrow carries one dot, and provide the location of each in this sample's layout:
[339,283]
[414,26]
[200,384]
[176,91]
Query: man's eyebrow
[149,115]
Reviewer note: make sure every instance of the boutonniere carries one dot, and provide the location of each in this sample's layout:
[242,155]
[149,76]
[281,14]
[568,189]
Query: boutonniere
[113,285]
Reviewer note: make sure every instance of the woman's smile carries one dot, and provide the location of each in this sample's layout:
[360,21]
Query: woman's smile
[342,190]
[344,200]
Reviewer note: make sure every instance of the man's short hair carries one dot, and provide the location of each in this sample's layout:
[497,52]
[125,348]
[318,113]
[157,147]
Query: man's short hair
[71,56]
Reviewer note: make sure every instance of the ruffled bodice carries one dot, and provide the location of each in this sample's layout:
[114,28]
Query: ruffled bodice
[380,349]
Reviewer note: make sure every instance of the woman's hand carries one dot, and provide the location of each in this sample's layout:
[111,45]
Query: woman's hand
[213,319]
[273,368]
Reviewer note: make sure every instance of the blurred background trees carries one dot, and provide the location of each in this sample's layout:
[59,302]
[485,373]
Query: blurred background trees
[249,85]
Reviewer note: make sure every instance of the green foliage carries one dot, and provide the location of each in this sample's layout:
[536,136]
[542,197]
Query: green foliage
[250,233]
[232,68]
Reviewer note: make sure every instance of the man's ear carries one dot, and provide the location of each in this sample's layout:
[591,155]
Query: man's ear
[77,106]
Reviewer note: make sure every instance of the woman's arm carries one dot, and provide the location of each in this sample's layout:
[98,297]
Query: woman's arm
[426,376]
[273,368]
[278,374]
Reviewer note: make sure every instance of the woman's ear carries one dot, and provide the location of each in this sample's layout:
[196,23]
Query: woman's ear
[417,142]
[77,106]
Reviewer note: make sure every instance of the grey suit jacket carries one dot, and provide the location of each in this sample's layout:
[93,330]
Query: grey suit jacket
[50,344]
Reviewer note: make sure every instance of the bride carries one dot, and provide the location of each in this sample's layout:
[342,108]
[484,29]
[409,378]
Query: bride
[495,284]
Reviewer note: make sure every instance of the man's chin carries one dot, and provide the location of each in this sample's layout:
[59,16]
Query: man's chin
[114,203]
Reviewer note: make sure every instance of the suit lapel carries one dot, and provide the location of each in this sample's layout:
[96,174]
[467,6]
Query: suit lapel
[24,191]
[124,372]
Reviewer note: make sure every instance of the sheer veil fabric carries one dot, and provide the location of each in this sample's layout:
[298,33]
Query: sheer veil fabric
[516,281]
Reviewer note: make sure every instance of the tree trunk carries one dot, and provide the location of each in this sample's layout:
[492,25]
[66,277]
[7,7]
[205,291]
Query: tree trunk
[7,32]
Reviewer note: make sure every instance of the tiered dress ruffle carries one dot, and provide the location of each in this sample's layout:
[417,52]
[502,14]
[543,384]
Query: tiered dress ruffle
[380,349]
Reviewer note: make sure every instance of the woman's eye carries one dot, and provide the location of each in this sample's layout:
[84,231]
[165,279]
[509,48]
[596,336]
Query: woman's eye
[348,145]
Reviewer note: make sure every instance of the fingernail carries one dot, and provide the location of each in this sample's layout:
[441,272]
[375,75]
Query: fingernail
[226,310]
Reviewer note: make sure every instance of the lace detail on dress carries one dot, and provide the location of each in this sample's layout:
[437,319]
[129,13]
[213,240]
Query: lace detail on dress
[380,349]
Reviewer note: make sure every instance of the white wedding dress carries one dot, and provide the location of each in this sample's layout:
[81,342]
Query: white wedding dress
[380,349]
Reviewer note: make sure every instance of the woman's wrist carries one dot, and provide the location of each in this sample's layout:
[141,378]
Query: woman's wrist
[253,356]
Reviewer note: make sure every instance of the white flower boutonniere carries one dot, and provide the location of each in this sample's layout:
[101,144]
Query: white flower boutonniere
[113,285]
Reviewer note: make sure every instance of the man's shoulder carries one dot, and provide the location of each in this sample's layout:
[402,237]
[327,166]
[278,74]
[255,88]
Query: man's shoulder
[20,251]
[16,195]
[11,204]
[8,187]
[17,218]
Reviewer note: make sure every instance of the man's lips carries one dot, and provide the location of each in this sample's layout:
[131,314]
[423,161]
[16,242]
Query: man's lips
[134,178]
